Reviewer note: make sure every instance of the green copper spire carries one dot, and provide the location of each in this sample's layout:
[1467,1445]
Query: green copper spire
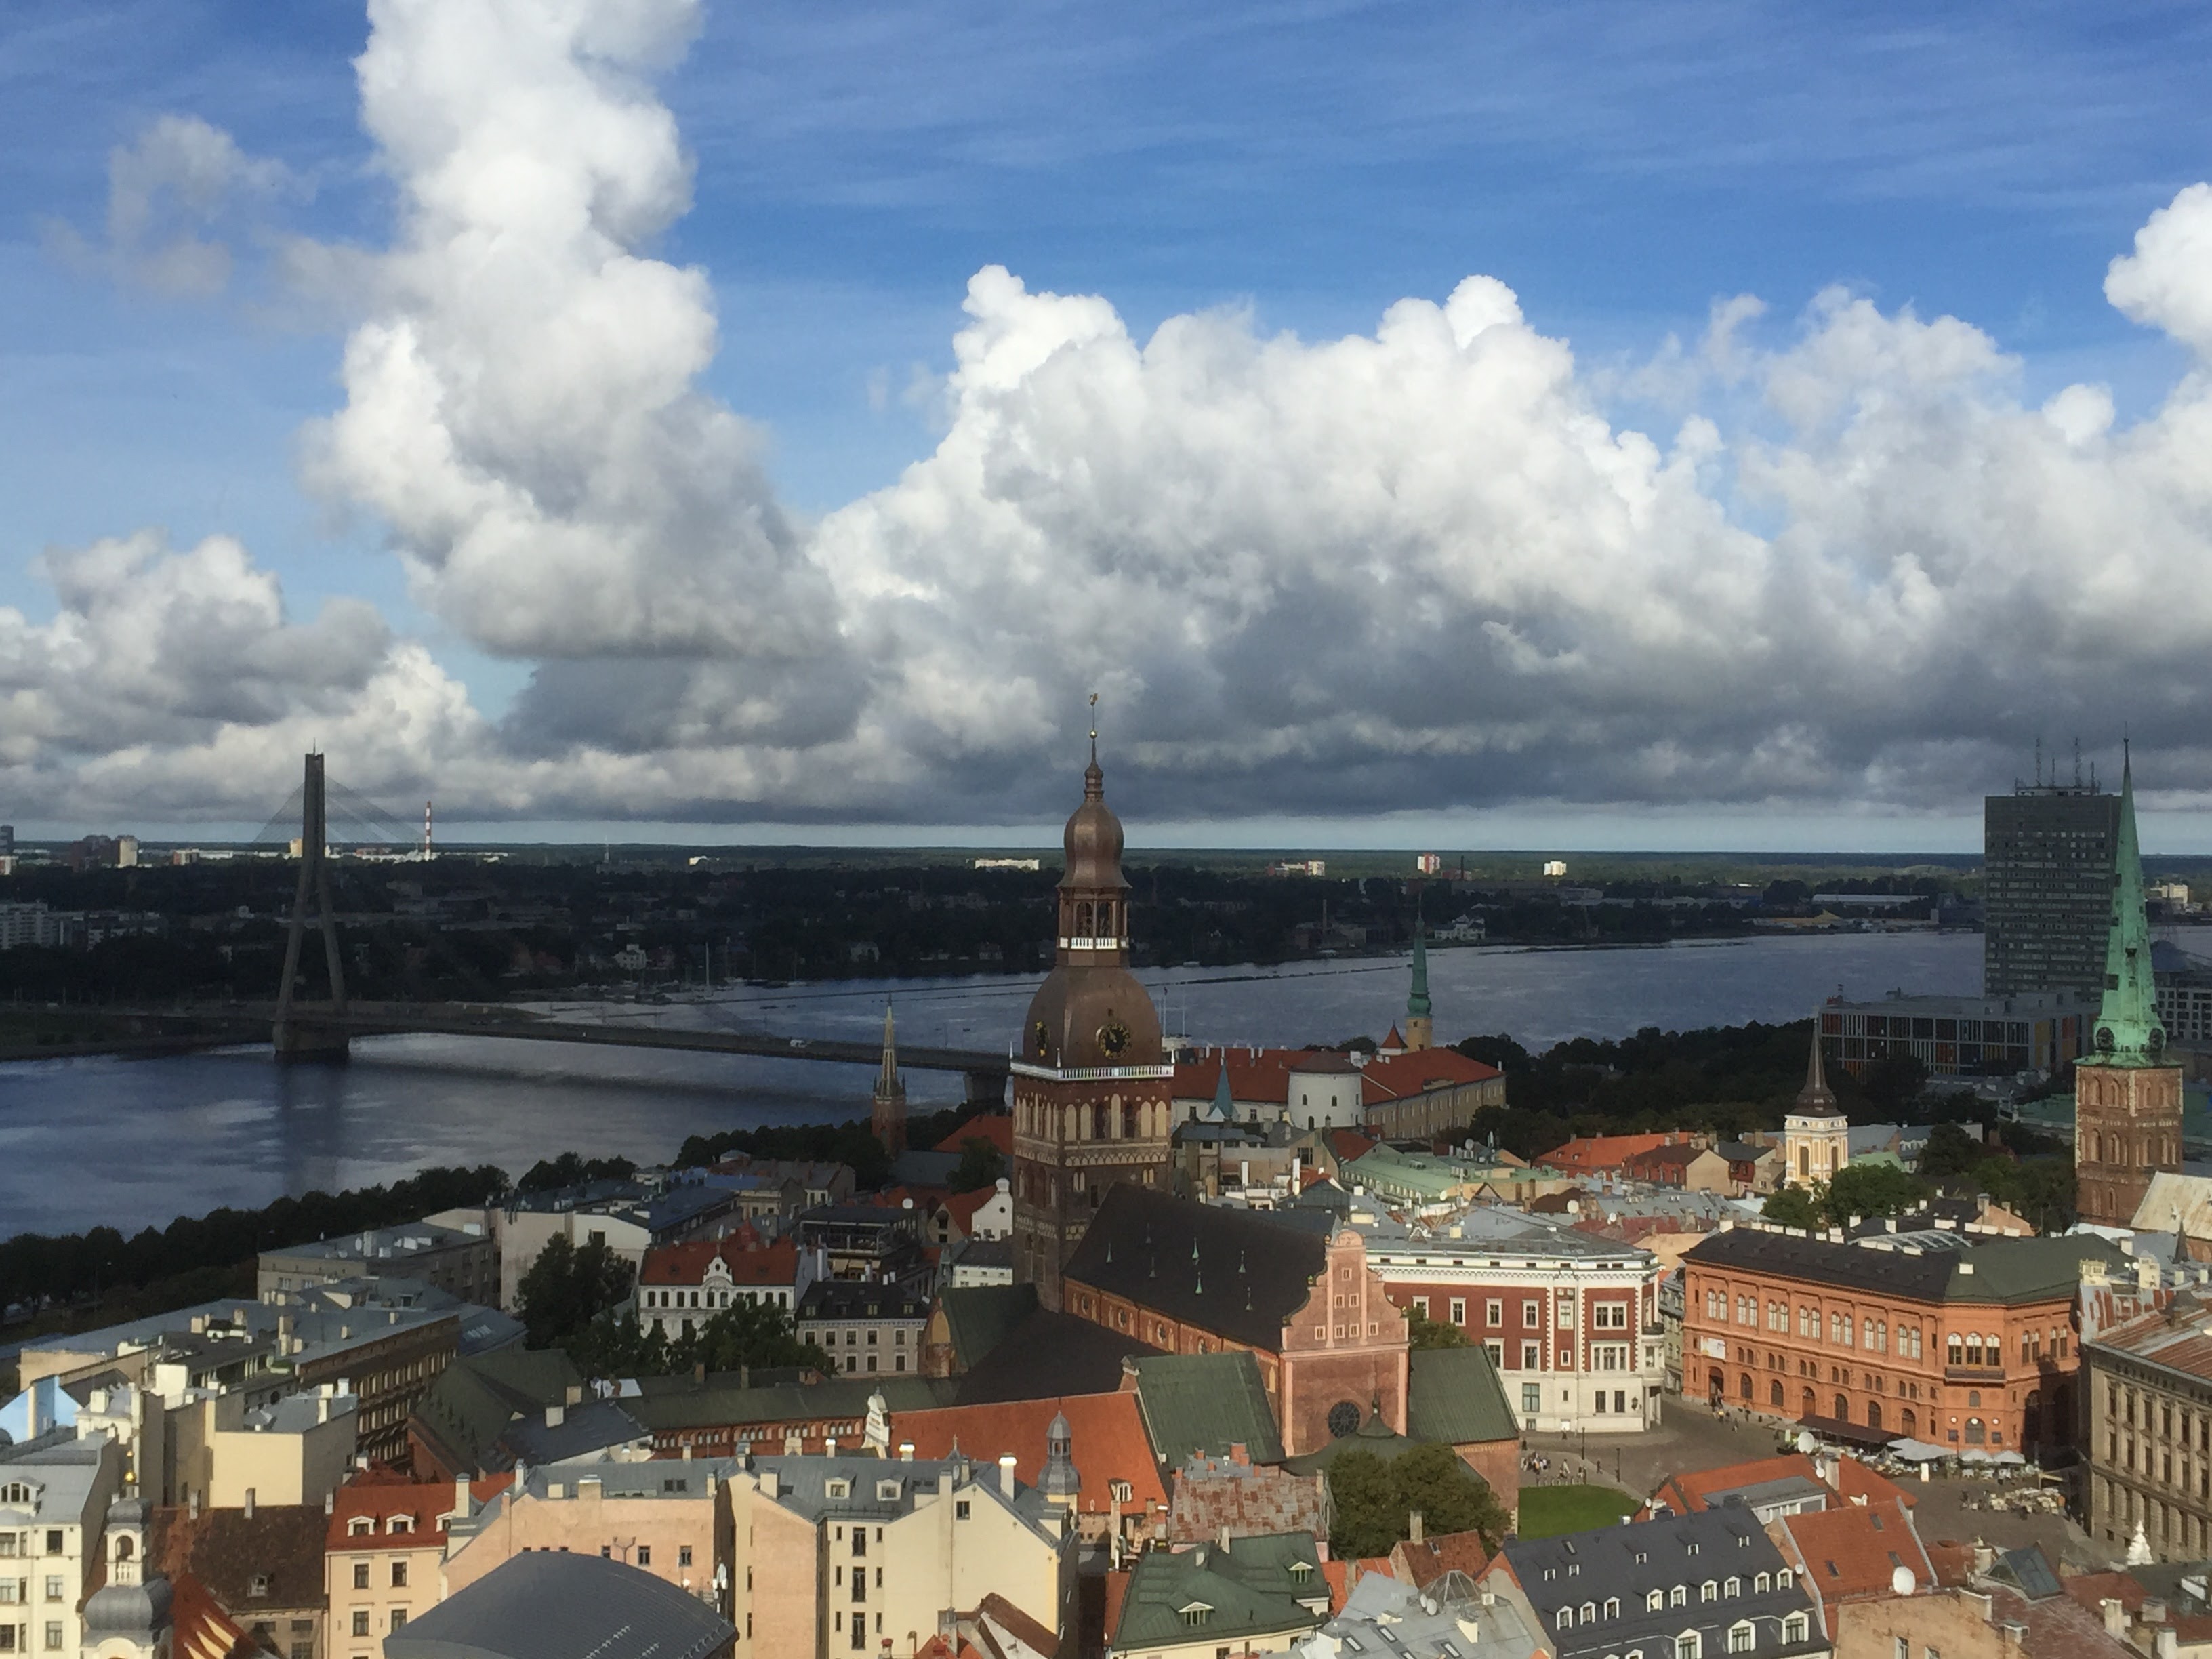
[2128,1031]
[1417,1005]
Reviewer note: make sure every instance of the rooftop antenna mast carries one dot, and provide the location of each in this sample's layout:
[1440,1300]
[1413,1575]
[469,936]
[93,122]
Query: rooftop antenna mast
[2038,760]
[2077,762]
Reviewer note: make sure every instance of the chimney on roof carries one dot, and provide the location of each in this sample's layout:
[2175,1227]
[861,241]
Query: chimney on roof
[555,1416]
[2116,1617]
[1007,1474]
[768,1483]
[574,1395]
[330,1502]
[1413,1525]
[906,1451]
[192,1502]
[249,1502]
[461,1497]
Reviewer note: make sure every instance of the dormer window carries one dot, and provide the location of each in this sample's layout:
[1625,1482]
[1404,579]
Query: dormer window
[1300,1571]
[1678,1597]
[840,1489]
[1734,1587]
[887,1491]
[259,1585]
[1195,1614]
[1613,1607]
[1657,1600]
[400,1523]
[360,1526]
[1763,1584]
[1709,1591]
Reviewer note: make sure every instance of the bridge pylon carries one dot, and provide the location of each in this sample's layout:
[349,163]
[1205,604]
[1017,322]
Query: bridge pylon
[312,1032]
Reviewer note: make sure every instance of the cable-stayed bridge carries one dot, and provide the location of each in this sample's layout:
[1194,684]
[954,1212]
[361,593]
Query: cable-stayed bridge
[299,1026]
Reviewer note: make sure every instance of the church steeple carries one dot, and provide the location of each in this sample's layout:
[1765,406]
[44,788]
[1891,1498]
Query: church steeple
[1419,1029]
[2128,1028]
[1816,1098]
[888,1105]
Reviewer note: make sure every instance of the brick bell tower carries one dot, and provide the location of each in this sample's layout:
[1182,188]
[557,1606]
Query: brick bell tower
[1091,1086]
[2127,1099]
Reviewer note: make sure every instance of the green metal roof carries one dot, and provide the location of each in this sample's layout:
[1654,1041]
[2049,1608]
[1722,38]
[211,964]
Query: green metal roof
[473,1399]
[1454,1396]
[1206,1402]
[839,1399]
[2128,1031]
[1252,1588]
[1374,1437]
[979,1317]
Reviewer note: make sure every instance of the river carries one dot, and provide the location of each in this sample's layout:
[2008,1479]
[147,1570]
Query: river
[133,1142]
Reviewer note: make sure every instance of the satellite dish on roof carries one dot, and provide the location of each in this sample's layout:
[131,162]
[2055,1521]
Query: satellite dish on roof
[1806,1443]
[1902,1583]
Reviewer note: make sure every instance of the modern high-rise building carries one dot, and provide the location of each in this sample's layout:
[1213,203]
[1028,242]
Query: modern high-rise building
[2047,852]
[1093,1093]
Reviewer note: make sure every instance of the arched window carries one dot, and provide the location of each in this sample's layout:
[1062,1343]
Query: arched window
[1083,919]
[1976,1433]
[1128,1120]
[1105,918]
[1842,1408]
[1958,1350]
[1907,1421]
[1774,1393]
[1098,1124]
[1874,1413]
[1806,1404]
[1743,1385]
[123,1548]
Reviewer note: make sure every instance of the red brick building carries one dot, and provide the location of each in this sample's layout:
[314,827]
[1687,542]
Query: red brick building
[1926,1336]
[1188,1278]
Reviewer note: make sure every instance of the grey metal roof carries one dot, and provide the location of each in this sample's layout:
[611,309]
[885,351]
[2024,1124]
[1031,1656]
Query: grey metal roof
[1620,1567]
[548,1604]
[1997,1270]
[1224,1270]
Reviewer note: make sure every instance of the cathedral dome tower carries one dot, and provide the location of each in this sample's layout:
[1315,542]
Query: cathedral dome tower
[1091,1089]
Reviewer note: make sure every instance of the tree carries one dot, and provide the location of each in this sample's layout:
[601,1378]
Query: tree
[550,1175]
[1373,1501]
[1891,1081]
[1427,1332]
[1951,1152]
[1368,1517]
[1869,1190]
[1793,1207]
[1499,1050]
[979,1165]
[1451,1497]
[566,1288]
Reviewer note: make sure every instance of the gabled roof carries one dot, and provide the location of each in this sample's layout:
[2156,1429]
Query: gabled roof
[1208,1403]
[1400,1077]
[1851,1553]
[1108,1441]
[199,1628]
[278,1547]
[687,1263]
[1050,1354]
[1251,1588]
[962,1206]
[379,1494]
[1220,1269]
[2000,1270]
[997,1128]
[474,1399]
[1592,1154]
[1421,1565]
[978,1317]
[1453,1395]
[1696,1489]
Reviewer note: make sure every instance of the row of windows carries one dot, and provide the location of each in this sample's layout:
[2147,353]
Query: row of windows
[1848,1330]
[19,1496]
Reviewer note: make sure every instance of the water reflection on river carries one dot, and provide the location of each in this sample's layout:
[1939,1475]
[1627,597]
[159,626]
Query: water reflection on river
[127,1142]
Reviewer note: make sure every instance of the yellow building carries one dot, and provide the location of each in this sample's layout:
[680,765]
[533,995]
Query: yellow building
[859,1554]
[1816,1136]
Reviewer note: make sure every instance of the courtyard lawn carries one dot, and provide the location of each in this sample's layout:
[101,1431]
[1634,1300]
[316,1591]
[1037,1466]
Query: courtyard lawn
[1547,1512]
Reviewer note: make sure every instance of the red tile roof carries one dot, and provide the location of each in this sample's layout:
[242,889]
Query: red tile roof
[1849,1554]
[962,1206]
[1110,1443]
[1422,1563]
[997,1128]
[686,1263]
[1602,1154]
[1685,1493]
[1350,1145]
[199,1628]
[1262,1075]
[380,1494]
[1400,1077]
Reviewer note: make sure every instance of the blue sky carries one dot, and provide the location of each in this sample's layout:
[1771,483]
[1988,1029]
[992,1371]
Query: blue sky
[1620,168]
